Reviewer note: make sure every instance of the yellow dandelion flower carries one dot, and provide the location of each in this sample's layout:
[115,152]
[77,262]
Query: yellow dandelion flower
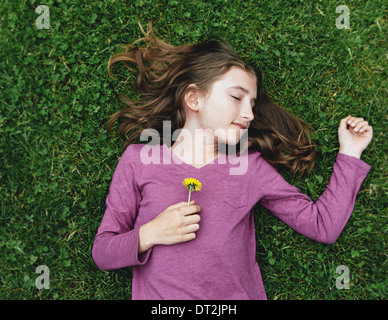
[192,185]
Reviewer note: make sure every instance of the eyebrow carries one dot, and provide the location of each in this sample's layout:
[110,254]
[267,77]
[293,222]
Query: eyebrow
[242,89]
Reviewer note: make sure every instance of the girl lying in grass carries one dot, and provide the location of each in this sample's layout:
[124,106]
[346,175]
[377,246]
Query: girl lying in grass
[206,249]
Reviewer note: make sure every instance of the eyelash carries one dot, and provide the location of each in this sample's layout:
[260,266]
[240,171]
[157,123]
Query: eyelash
[240,100]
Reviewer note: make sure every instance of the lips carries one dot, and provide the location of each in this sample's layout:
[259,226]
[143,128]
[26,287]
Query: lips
[240,125]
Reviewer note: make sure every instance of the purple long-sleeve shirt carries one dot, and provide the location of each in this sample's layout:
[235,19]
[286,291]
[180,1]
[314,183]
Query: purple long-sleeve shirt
[220,263]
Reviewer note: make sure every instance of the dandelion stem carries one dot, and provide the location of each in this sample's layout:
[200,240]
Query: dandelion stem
[188,202]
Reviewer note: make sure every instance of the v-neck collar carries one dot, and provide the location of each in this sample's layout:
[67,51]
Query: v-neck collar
[180,163]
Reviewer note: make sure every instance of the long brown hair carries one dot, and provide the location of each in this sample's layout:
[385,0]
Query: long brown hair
[164,73]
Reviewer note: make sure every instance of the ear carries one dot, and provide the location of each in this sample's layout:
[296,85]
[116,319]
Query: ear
[191,97]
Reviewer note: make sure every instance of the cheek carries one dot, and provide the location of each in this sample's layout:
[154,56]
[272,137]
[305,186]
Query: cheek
[219,114]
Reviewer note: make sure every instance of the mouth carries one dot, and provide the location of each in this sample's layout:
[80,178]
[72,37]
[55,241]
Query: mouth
[239,125]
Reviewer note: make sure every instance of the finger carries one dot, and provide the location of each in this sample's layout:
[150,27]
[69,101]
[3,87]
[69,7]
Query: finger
[359,125]
[188,237]
[352,121]
[180,204]
[191,219]
[189,210]
[191,228]
[363,129]
[343,122]
[366,129]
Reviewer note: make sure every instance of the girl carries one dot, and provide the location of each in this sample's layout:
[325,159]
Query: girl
[206,249]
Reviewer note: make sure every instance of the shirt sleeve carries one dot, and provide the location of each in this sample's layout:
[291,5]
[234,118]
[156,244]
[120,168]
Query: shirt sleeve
[117,240]
[324,220]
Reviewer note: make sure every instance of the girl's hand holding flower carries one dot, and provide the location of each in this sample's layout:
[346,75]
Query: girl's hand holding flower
[177,223]
[354,135]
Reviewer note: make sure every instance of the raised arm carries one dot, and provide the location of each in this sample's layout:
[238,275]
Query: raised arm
[323,220]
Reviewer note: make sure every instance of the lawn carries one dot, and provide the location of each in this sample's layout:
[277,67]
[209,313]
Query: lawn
[57,157]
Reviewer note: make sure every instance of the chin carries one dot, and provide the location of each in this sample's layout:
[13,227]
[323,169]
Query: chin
[230,136]
[230,139]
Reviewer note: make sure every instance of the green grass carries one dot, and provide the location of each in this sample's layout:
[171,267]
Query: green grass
[57,158]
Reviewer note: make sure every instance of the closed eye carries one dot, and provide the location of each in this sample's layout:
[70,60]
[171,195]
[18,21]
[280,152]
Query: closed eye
[236,98]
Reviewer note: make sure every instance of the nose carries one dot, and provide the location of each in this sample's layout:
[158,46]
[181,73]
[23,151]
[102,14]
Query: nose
[247,113]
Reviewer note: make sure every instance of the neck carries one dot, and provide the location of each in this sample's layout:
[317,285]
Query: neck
[196,146]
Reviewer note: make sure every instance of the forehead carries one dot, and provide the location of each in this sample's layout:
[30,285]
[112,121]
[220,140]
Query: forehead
[238,79]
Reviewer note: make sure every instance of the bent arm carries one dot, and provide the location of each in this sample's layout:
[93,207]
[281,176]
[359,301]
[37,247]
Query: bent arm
[116,244]
[324,220]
